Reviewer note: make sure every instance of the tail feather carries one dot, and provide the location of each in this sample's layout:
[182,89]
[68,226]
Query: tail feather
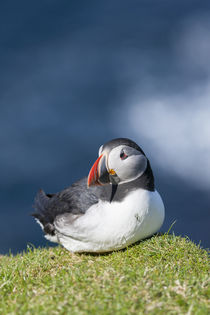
[42,214]
[41,200]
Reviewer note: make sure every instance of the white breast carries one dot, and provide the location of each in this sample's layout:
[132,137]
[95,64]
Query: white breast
[107,226]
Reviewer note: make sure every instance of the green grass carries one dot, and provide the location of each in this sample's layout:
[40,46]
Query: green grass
[162,275]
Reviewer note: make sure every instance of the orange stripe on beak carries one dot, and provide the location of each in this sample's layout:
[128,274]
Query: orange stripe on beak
[93,174]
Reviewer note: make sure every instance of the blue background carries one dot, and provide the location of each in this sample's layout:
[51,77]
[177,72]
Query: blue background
[75,74]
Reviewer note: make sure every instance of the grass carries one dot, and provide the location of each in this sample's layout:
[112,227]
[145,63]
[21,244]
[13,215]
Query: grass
[162,275]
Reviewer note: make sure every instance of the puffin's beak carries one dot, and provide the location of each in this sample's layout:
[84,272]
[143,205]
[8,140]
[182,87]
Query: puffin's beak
[98,174]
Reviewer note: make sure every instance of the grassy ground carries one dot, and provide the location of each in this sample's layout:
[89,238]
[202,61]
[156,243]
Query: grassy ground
[162,275]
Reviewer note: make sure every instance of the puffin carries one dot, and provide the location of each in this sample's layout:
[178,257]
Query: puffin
[115,206]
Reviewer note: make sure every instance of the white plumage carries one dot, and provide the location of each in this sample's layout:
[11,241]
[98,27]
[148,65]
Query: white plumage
[107,226]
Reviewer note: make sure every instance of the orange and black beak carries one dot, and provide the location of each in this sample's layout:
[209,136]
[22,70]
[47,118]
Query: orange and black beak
[99,174]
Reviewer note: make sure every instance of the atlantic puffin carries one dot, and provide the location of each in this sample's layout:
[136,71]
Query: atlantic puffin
[115,206]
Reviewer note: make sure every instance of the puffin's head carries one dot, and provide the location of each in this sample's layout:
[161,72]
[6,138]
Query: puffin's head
[120,161]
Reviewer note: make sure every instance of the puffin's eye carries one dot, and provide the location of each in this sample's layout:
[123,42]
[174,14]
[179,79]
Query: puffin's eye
[123,156]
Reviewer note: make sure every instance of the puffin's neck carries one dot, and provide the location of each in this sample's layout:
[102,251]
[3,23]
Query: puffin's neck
[145,181]
[114,190]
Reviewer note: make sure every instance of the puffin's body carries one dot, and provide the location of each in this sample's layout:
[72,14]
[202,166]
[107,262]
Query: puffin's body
[115,206]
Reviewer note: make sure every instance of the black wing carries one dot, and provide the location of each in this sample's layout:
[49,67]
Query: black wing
[76,199]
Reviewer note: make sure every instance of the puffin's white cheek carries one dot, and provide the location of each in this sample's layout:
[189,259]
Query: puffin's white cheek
[131,168]
[126,172]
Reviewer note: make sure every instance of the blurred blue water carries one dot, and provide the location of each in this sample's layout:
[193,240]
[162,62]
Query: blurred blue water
[61,80]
